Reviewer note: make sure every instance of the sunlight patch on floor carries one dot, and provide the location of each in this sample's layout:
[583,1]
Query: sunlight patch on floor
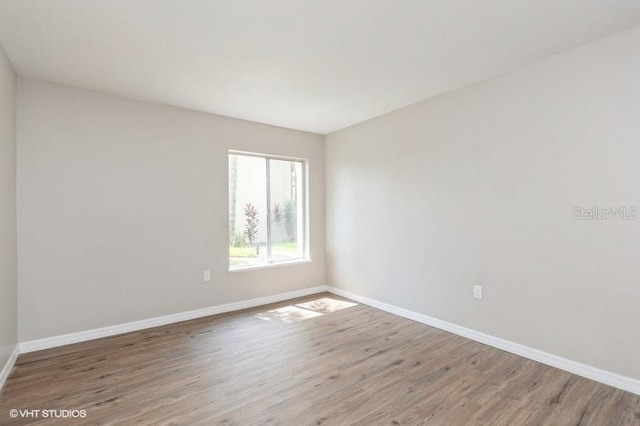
[326,305]
[306,310]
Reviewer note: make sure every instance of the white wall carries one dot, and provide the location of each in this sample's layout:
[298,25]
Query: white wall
[123,204]
[8,270]
[477,187]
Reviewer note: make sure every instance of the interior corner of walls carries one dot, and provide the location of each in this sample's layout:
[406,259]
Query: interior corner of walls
[8,218]
[8,366]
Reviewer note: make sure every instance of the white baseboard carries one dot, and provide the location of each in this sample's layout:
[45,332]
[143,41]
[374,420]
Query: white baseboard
[587,371]
[83,336]
[6,370]
[612,379]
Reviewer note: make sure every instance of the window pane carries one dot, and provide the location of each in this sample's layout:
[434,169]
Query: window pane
[287,204]
[247,211]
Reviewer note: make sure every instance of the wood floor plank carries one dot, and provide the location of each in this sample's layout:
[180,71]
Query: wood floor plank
[318,360]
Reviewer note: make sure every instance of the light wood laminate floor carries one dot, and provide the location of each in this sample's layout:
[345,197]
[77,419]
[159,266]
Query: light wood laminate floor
[318,360]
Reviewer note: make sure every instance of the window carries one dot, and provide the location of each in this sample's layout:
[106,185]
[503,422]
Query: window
[267,210]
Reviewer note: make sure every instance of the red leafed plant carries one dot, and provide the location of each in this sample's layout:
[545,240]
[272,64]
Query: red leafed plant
[252,221]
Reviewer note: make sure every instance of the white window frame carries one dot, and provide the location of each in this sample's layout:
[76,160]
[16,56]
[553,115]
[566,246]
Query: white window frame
[306,255]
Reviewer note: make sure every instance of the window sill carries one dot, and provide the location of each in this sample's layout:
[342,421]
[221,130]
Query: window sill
[269,265]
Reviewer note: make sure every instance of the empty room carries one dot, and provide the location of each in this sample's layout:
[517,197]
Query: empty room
[320,212]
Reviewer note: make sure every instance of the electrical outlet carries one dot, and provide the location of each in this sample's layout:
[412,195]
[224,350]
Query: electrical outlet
[206,276]
[477,291]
